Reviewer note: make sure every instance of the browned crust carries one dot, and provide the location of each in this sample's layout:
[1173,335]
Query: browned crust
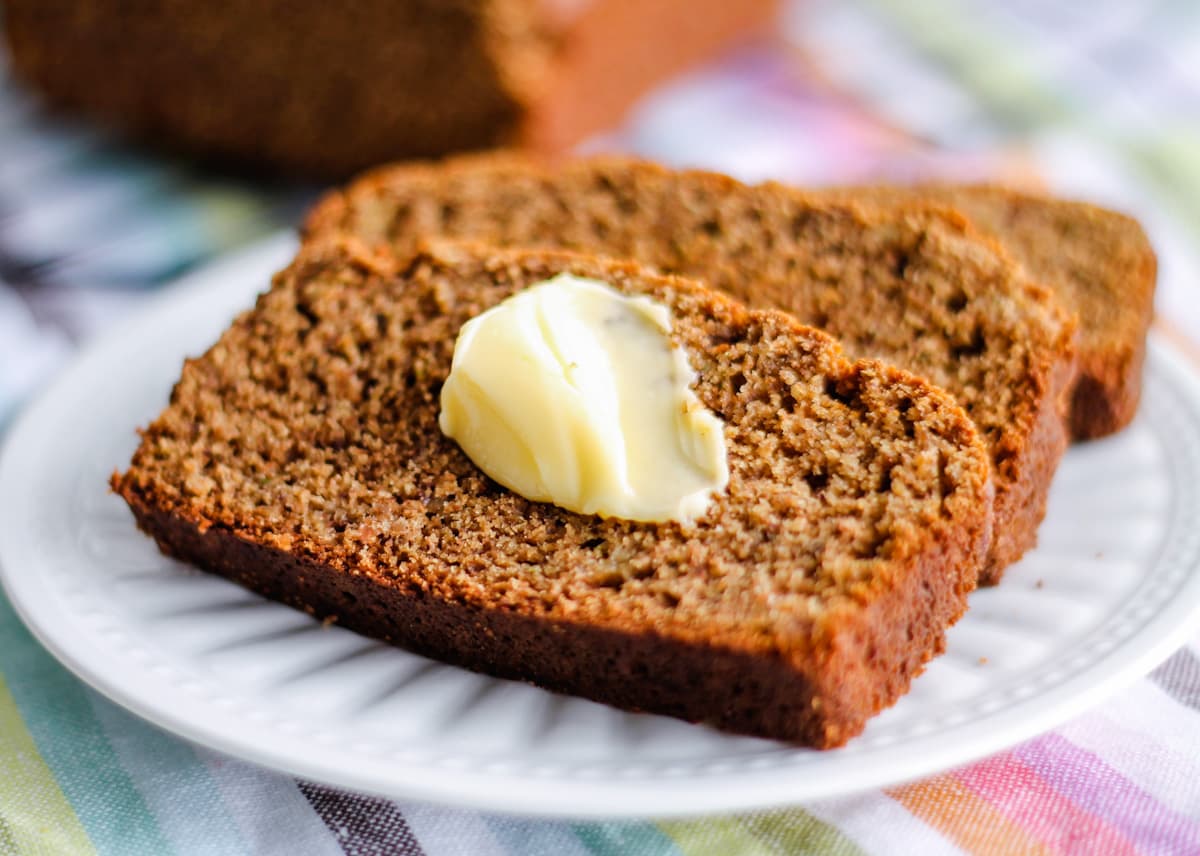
[1107,389]
[1027,450]
[331,213]
[314,89]
[325,90]
[615,50]
[821,703]
[813,679]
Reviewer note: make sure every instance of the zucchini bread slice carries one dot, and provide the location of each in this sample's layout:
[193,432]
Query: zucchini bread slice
[909,285]
[301,457]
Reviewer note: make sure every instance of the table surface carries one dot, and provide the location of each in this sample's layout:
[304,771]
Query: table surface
[1099,101]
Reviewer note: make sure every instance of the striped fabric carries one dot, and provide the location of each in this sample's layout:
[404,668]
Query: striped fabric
[1100,99]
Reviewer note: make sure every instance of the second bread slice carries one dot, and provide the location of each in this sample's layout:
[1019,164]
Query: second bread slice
[301,456]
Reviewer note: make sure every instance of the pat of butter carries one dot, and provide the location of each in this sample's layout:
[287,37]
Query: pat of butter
[572,393]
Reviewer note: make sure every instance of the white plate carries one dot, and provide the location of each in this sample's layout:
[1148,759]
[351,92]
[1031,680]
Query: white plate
[1108,594]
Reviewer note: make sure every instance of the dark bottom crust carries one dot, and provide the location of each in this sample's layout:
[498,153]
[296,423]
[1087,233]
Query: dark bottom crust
[1105,396]
[864,670]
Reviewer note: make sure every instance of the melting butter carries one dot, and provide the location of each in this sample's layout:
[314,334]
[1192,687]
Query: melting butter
[571,392]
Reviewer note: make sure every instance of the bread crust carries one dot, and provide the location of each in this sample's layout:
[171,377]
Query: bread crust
[822,703]
[809,662]
[320,89]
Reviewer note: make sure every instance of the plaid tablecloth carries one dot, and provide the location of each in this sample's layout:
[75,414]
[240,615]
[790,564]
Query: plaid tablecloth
[1100,100]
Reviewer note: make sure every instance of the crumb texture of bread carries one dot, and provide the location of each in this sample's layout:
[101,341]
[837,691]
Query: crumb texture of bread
[910,285]
[301,457]
[1100,266]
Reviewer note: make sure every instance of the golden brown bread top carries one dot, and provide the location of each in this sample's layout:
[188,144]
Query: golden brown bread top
[327,89]
[311,427]
[310,88]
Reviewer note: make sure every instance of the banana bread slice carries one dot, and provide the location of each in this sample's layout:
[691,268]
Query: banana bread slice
[301,457]
[1099,264]
[909,285]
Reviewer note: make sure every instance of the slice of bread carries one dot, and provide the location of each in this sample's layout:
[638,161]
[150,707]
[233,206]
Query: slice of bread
[1099,264]
[909,285]
[301,457]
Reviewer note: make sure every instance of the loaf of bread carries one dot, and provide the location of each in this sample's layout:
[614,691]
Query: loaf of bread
[910,285]
[326,89]
[301,457]
[1099,264]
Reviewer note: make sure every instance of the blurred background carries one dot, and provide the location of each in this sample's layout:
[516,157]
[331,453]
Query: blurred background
[1097,100]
